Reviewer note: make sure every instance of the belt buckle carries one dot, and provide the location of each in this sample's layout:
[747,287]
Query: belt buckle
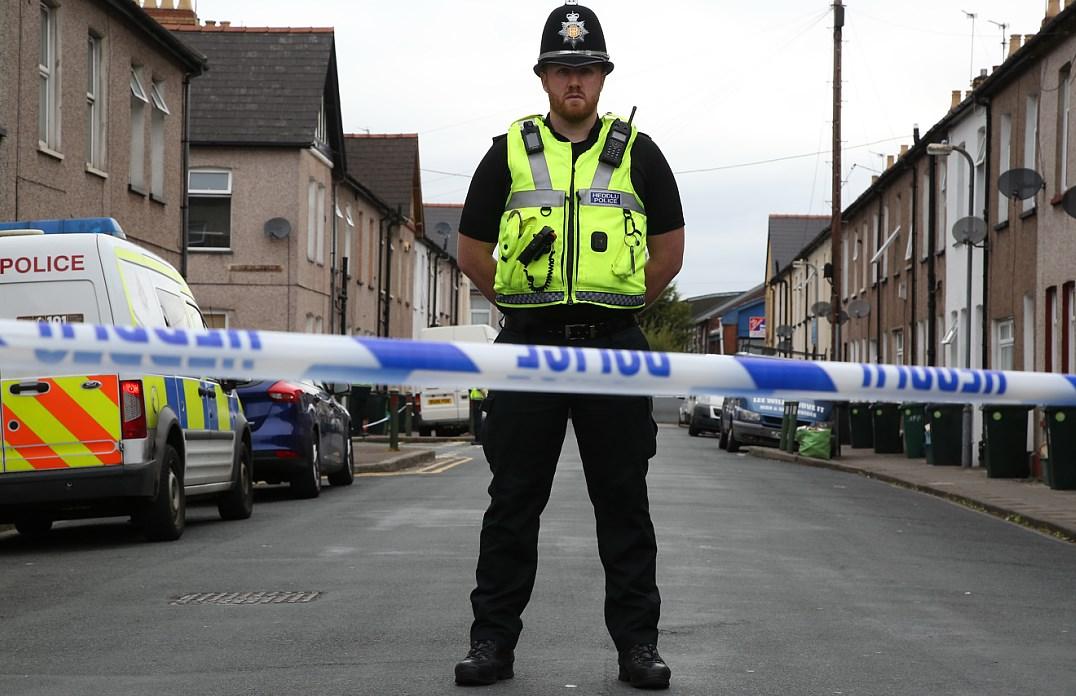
[580,332]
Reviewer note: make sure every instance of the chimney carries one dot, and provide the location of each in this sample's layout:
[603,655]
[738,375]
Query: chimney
[903,150]
[874,179]
[889,160]
[167,12]
[980,79]
[211,22]
[225,25]
[956,99]
[1014,44]
[967,94]
[1053,8]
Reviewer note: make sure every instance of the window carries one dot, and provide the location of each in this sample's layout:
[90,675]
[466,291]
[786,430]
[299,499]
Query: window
[865,256]
[887,233]
[1028,320]
[1005,163]
[95,103]
[1031,139]
[371,257]
[921,343]
[1070,329]
[844,266]
[1004,342]
[320,250]
[1063,96]
[311,221]
[320,134]
[210,209]
[156,139]
[898,347]
[139,102]
[48,64]
[874,248]
[349,241]
[215,320]
[1052,314]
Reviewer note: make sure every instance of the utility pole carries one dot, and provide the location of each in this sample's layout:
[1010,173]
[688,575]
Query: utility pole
[835,221]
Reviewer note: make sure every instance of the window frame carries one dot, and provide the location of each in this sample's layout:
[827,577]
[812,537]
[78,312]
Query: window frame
[1001,344]
[157,124]
[1031,140]
[194,193]
[49,74]
[1004,164]
[96,103]
[136,170]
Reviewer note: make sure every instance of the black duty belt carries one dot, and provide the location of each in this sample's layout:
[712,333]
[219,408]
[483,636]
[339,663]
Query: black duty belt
[570,332]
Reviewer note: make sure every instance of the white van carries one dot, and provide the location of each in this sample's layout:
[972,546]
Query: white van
[449,410]
[92,445]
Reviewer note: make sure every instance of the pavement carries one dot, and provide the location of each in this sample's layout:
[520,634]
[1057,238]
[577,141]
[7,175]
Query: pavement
[1023,501]
[375,456]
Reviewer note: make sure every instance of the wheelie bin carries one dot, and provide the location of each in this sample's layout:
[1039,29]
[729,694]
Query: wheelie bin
[885,419]
[859,414]
[1061,443]
[943,429]
[1005,441]
[911,416]
[376,410]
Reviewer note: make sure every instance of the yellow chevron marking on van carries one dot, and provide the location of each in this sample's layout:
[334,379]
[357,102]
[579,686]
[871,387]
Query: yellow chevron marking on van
[195,406]
[96,404]
[52,432]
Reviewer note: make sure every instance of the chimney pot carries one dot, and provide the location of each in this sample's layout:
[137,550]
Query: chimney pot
[889,160]
[874,179]
[903,150]
[956,99]
[967,94]
[1053,8]
[186,5]
[1014,43]
[211,22]
[225,25]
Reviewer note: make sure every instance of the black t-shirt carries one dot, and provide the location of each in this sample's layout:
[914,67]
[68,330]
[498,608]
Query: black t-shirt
[651,177]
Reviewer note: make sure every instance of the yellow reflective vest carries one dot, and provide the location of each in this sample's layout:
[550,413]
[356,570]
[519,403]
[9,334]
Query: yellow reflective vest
[590,209]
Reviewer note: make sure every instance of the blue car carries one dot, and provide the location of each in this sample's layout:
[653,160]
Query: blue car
[299,433]
[757,420]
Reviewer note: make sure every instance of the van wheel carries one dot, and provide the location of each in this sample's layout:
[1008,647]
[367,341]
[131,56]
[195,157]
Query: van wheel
[238,503]
[732,442]
[308,483]
[346,475]
[33,525]
[692,431]
[165,514]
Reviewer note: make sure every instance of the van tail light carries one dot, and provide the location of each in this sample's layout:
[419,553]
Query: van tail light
[285,391]
[133,408]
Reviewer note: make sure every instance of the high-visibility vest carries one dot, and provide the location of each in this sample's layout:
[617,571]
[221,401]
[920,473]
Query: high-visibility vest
[598,220]
[476,395]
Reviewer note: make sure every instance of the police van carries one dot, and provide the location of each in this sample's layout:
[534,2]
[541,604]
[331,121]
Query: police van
[92,445]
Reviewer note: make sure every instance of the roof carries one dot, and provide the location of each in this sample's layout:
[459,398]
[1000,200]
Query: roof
[788,234]
[701,305]
[265,87]
[190,58]
[388,165]
[442,226]
[743,299]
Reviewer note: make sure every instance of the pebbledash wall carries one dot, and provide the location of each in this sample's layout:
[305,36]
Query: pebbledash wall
[56,176]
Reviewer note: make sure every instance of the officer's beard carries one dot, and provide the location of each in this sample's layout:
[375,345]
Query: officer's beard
[574,111]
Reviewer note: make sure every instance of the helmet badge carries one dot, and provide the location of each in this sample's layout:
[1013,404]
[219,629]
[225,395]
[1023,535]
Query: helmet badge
[573,30]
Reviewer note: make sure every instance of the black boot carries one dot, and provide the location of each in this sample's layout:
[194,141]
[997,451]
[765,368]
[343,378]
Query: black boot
[486,662]
[642,666]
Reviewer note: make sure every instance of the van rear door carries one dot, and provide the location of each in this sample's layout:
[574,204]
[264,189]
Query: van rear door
[56,422]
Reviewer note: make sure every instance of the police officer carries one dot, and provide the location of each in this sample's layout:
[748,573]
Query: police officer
[572,225]
[475,398]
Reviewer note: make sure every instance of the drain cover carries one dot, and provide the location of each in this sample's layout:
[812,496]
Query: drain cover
[245,598]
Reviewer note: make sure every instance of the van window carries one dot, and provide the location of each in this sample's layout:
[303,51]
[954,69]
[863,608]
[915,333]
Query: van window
[175,310]
[194,317]
[67,301]
[138,286]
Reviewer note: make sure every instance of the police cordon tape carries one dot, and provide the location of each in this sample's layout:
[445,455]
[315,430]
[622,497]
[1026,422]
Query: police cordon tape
[30,349]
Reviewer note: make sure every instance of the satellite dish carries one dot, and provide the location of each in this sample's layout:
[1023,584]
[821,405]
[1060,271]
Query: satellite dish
[785,345]
[277,228]
[784,331]
[821,309]
[1020,184]
[969,230]
[859,308]
[842,318]
[1068,201]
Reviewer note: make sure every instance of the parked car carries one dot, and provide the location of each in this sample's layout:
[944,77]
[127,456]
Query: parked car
[687,405]
[298,434]
[705,415]
[757,420]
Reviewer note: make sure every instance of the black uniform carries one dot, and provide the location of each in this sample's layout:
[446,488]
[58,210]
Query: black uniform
[524,432]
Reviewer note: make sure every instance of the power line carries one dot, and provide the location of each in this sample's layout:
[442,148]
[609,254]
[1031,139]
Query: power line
[786,158]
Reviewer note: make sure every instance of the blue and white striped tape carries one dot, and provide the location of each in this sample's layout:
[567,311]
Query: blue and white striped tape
[29,349]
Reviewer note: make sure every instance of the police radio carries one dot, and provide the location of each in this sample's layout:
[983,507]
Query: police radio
[541,243]
[616,143]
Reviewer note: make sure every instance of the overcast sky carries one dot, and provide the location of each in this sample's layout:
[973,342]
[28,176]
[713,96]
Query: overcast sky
[718,85]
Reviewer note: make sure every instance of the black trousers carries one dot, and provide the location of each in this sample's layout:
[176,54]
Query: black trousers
[522,439]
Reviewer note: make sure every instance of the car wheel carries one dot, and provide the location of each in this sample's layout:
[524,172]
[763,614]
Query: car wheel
[33,525]
[165,514]
[733,444]
[238,503]
[692,431]
[308,483]
[346,475]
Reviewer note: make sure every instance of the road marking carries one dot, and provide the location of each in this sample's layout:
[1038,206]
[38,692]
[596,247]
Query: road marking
[438,467]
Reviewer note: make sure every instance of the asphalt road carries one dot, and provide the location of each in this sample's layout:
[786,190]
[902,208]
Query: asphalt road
[776,579]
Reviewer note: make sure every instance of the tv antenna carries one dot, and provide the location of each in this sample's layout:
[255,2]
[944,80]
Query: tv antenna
[971,62]
[1004,44]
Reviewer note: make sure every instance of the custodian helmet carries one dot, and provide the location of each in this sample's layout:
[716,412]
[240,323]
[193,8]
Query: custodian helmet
[573,36]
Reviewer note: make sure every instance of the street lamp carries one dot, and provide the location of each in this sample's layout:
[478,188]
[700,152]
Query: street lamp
[968,238]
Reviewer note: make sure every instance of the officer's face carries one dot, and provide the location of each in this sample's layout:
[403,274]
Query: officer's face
[573,90]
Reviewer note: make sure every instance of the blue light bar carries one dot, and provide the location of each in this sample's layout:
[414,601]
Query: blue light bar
[98,225]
